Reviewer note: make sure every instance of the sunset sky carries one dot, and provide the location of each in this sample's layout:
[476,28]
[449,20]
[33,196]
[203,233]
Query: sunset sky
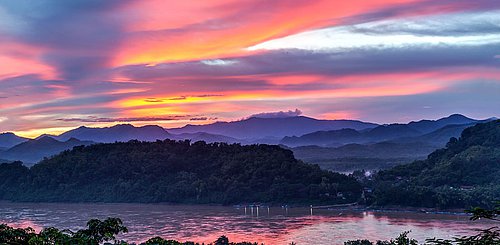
[65,64]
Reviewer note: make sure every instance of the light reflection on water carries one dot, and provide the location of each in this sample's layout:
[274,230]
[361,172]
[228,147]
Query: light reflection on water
[206,223]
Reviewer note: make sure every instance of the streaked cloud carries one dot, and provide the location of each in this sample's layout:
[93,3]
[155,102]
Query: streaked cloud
[278,114]
[457,29]
[98,63]
[92,119]
[218,62]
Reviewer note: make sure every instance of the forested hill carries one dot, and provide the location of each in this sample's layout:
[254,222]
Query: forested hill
[465,173]
[175,171]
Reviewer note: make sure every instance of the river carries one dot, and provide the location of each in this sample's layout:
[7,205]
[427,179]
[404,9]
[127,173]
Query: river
[276,225]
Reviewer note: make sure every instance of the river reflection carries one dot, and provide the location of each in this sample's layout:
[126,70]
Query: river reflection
[273,226]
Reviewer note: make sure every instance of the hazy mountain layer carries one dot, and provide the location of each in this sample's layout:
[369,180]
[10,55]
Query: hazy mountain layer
[33,151]
[254,127]
[8,140]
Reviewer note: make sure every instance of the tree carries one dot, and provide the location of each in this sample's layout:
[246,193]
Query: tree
[100,231]
[490,236]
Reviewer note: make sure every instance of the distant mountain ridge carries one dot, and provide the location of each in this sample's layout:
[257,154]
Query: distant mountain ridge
[427,126]
[434,132]
[8,140]
[256,130]
[438,137]
[209,138]
[32,151]
[120,133]
[255,127]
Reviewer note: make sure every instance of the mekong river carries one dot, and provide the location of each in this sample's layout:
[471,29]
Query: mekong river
[276,225]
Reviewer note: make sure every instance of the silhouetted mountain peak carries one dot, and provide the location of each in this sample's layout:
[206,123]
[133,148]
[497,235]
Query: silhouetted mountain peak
[123,126]
[119,132]
[34,150]
[458,116]
[427,126]
[73,140]
[9,139]
[45,139]
[278,127]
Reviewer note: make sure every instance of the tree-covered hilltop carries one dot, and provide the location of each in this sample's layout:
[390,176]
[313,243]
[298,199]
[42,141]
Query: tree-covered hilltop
[175,171]
[465,173]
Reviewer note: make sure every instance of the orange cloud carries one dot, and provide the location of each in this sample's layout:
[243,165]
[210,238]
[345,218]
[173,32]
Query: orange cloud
[20,59]
[195,30]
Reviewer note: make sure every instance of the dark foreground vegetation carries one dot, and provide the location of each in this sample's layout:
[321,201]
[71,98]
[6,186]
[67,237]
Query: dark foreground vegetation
[99,232]
[464,174]
[175,172]
[490,236]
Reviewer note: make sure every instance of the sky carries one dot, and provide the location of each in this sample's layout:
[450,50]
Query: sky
[97,63]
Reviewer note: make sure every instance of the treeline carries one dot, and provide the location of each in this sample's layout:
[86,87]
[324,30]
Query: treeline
[466,173]
[97,232]
[176,172]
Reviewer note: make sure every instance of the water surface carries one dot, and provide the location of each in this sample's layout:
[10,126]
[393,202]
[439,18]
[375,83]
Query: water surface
[272,226]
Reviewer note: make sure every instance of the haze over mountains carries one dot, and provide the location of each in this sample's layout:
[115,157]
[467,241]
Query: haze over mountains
[35,150]
[121,133]
[258,128]
[326,142]
[421,131]
[8,140]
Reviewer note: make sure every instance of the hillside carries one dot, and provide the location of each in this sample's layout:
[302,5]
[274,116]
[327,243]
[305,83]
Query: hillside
[120,133]
[255,127]
[351,157]
[430,132]
[427,126]
[8,140]
[465,173]
[331,138]
[33,151]
[179,172]
[209,138]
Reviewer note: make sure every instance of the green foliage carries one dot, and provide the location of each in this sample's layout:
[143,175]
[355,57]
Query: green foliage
[96,233]
[489,236]
[9,235]
[12,176]
[492,214]
[358,242]
[402,239]
[100,231]
[176,172]
[223,240]
[462,175]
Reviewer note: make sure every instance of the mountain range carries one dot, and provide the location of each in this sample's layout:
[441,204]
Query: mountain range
[32,151]
[121,133]
[333,139]
[433,132]
[8,140]
[463,174]
[258,128]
